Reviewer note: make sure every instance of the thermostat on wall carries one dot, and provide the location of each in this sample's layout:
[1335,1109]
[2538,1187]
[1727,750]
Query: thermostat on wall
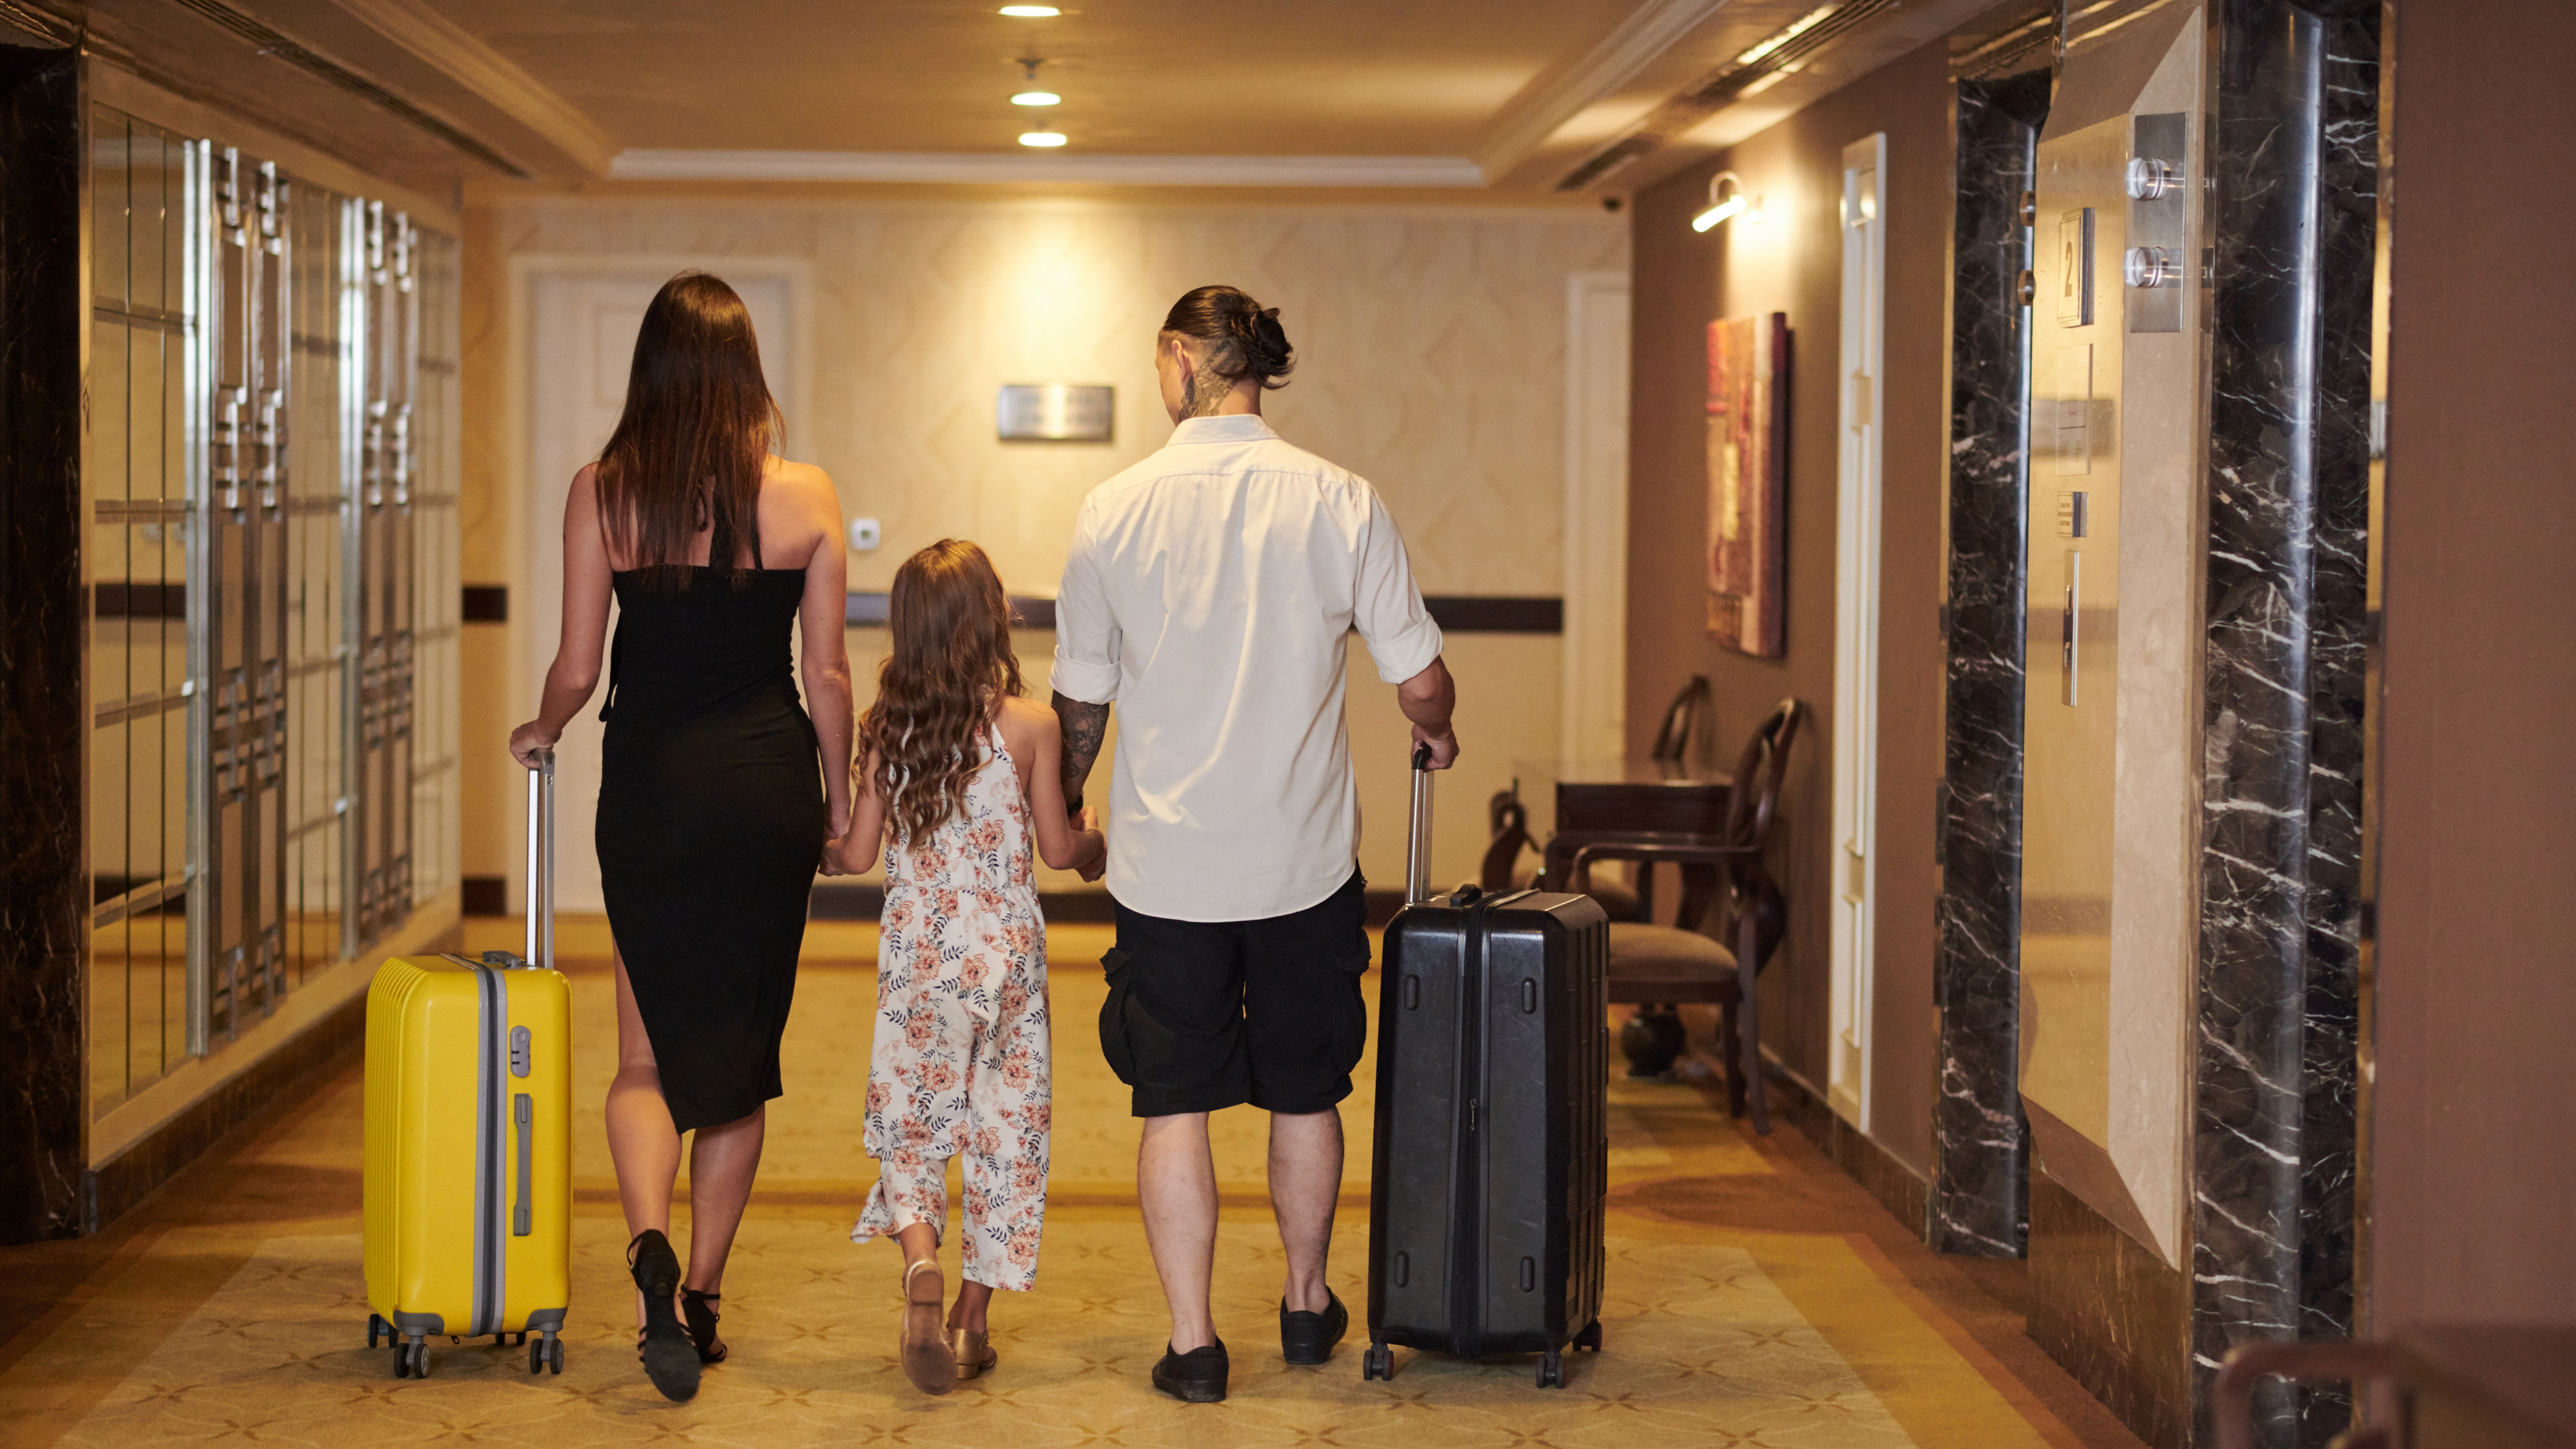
[864,534]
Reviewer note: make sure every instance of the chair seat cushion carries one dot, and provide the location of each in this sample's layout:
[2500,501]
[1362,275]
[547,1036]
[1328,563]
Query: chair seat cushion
[1618,899]
[1665,964]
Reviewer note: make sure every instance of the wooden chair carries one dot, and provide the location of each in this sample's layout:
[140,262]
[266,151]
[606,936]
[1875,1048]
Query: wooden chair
[1503,871]
[1737,913]
[1681,721]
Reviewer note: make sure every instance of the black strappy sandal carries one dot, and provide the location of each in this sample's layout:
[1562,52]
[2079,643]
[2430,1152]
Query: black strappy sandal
[670,1358]
[697,1308]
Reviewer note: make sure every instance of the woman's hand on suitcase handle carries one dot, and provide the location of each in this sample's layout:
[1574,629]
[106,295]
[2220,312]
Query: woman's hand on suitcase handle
[529,738]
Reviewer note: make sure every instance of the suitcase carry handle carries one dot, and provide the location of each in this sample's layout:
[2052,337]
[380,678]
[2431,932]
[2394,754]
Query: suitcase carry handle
[541,859]
[1417,858]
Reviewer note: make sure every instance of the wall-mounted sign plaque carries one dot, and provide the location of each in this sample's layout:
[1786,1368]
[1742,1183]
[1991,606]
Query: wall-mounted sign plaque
[1054,412]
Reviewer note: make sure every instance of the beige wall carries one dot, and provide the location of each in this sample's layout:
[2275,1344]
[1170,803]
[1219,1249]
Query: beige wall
[1792,262]
[1431,346]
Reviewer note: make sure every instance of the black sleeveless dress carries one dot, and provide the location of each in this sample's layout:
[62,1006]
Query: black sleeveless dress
[711,825]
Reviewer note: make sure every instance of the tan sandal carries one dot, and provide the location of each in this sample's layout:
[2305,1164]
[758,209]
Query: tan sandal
[926,1359]
[973,1352]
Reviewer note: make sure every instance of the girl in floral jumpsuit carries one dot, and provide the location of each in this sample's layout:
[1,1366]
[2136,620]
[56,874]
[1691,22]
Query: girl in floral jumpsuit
[960,779]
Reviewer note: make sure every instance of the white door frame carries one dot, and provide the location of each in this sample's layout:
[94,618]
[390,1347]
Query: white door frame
[1595,638]
[1856,611]
[536,519]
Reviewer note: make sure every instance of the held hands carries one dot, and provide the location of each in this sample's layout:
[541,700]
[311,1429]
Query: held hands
[1444,745]
[529,738]
[1095,846]
[848,854]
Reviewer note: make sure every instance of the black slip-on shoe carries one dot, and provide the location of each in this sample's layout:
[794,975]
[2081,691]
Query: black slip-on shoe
[1308,1338]
[1196,1377]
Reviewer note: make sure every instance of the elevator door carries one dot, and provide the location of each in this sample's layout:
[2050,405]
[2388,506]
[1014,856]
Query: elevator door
[245,596]
[2110,711]
[381,832]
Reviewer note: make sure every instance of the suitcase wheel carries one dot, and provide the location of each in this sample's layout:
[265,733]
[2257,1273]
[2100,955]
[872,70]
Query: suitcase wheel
[1590,1337]
[377,1329]
[1551,1370]
[411,1359]
[1377,1363]
[554,1354]
[536,1356]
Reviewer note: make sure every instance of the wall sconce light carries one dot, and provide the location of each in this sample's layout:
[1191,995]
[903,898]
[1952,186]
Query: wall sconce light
[1722,203]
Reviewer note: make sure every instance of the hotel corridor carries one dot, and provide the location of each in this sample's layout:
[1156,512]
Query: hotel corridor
[2017,550]
[1758,1297]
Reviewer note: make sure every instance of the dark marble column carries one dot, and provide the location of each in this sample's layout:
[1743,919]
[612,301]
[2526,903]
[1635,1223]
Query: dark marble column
[2294,165]
[1980,1182]
[44,630]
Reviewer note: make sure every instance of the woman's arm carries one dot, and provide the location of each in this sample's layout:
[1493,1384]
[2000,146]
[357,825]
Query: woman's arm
[587,586]
[825,658]
[855,851]
[1063,844]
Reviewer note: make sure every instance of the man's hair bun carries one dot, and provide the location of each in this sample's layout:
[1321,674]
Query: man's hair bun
[1245,337]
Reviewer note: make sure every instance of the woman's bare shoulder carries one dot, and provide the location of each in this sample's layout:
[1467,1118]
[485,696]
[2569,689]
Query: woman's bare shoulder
[804,483]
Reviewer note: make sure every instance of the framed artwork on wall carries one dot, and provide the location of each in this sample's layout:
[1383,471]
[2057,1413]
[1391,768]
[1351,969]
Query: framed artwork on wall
[1748,492]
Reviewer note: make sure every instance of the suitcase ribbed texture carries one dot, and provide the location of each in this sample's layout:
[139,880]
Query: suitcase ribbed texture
[1491,1159]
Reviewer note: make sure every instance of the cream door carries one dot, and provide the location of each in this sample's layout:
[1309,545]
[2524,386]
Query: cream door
[580,336]
[1856,527]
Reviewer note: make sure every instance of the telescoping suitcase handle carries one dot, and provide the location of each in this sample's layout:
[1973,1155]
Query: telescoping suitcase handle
[1417,858]
[541,859]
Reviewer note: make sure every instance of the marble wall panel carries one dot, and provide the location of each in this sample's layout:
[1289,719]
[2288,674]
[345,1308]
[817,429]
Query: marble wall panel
[44,626]
[1980,1143]
[2294,161]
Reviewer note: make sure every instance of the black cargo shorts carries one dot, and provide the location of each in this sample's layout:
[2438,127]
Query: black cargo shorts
[1206,1015]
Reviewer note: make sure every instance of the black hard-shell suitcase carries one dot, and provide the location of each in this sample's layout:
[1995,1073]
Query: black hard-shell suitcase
[1486,1199]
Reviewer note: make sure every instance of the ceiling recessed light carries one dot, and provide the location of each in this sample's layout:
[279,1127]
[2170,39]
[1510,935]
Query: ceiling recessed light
[1036,98]
[1030,12]
[1042,138]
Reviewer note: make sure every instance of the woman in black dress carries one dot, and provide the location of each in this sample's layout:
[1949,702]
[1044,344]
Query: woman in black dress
[717,792]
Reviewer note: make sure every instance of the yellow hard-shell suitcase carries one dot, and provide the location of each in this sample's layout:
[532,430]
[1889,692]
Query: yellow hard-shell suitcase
[468,1139]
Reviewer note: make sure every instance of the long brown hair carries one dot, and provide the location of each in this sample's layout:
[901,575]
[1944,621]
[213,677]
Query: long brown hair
[951,667]
[696,435]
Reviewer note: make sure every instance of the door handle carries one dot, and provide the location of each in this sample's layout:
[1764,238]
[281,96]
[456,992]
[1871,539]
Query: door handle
[2067,642]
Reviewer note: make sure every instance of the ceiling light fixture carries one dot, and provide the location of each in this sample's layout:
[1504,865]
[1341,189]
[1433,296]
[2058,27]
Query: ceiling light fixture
[1030,12]
[1042,138]
[1033,96]
[1720,207]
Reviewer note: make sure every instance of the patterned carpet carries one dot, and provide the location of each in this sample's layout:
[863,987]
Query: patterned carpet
[1756,1298]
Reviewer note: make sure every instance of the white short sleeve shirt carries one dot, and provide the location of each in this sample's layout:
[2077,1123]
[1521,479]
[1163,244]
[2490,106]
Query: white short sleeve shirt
[1208,593]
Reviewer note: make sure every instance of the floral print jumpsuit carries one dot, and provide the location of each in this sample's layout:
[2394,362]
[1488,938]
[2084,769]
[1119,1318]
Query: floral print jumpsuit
[960,1064]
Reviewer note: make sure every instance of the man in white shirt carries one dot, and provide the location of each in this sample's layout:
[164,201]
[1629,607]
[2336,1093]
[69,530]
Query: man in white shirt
[1208,592]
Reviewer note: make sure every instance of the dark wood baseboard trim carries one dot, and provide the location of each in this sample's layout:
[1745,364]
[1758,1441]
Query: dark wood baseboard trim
[1900,1189]
[484,895]
[862,902]
[1454,613]
[114,1186]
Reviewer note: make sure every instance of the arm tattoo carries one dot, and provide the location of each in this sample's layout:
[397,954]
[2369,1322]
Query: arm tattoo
[1085,725]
